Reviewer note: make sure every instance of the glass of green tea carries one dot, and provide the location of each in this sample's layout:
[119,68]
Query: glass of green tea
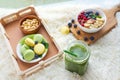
[76,57]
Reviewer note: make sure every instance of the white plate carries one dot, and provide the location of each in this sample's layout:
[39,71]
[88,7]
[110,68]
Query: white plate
[19,54]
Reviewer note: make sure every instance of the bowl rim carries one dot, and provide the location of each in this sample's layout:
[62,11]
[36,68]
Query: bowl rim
[92,30]
[18,52]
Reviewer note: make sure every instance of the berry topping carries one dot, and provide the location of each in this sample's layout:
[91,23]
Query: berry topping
[83,12]
[69,25]
[97,13]
[90,12]
[86,15]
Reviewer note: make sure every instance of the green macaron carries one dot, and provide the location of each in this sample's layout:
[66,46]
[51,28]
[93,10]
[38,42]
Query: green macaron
[38,37]
[29,55]
[24,48]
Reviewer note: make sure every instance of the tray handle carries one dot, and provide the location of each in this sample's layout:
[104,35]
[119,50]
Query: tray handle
[16,16]
[26,11]
[8,19]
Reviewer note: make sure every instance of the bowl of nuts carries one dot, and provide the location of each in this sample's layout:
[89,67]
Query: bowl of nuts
[30,24]
[91,20]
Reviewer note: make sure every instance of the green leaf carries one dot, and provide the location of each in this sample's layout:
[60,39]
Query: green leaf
[45,44]
[40,55]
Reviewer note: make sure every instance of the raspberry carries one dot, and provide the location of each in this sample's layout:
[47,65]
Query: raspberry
[82,24]
[83,12]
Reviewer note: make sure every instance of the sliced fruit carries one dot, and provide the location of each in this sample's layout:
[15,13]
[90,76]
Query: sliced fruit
[29,42]
[39,49]
[29,55]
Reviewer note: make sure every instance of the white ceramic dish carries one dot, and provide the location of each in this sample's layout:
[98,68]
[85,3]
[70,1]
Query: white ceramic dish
[32,61]
[93,30]
[19,54]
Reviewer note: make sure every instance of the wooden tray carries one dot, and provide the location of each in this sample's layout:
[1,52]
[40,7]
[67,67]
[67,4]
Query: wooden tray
[13,34]
[111,22]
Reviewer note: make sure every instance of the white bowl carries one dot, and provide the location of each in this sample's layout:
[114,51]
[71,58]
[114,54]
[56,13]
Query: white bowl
[93,30]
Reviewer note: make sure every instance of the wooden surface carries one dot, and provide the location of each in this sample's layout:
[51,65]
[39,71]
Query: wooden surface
[110,23]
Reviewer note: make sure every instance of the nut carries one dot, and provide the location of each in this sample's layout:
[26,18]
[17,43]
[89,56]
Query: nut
[30,24]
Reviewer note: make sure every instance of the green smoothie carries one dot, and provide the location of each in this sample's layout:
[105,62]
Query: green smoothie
[79,62]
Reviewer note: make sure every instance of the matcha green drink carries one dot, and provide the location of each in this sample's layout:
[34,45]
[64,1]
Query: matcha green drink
[76,59]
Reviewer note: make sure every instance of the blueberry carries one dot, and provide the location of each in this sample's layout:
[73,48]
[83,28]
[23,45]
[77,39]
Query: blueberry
[85,39]
[75,25]
[36,42]
[36,56]
[86,15]
[92,38]
[78,32]
[97,13]
[72,20]
[90,12]
[69,25]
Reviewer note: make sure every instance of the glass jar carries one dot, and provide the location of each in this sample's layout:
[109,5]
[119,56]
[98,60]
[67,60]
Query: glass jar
[77,64]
